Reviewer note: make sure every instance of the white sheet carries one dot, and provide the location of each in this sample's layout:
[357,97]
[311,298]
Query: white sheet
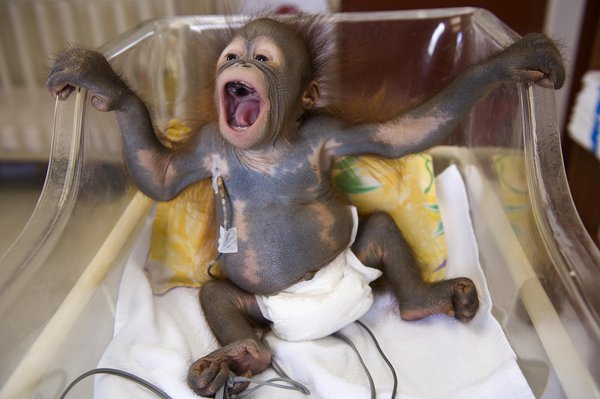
[157,337]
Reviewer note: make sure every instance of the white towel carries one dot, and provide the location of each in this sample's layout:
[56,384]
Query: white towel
[157,337]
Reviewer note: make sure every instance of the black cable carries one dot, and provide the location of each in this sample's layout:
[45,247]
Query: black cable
[282,382]
[383,356]
[364,366]
[360,359]
[212,264]
[119,373]
[224,207]
[281,372]
[293,385]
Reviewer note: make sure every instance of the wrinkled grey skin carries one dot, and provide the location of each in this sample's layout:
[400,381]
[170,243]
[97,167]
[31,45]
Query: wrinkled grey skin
[276,171]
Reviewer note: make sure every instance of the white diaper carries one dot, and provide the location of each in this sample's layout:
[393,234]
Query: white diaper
[336,296]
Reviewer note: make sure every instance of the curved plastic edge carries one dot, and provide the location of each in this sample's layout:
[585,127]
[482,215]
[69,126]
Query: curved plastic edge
[56,201]
[575,256]
[569,245]
[146,29]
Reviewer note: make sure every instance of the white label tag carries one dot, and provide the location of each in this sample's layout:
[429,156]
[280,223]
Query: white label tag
[215,175]
[228,240]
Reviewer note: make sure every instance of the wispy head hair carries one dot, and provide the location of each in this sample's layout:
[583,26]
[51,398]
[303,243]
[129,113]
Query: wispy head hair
[319,34]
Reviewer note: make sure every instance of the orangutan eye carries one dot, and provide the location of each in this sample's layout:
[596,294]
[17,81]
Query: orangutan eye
[261,58]
[231,57]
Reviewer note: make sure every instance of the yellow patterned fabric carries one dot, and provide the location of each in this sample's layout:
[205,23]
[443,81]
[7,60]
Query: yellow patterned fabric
[184,232]
[183,240]
[405,189]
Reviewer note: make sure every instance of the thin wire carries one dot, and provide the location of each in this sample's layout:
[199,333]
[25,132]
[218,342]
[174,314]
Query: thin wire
[360,359]
[223,195]
[224,207]
[119,373]
[279,371]
[272,382]
[212,264]
[281,382]
[383,356]
[283,377]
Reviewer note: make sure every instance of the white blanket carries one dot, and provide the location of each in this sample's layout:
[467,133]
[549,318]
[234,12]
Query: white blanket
[158,337]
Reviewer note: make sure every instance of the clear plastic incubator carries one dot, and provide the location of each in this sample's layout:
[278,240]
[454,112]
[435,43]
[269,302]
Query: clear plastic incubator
[59,285]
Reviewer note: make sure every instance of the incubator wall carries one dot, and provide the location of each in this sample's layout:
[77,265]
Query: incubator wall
[59,280]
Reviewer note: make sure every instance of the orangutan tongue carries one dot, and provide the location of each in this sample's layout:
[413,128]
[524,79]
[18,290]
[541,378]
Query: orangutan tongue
[247,112]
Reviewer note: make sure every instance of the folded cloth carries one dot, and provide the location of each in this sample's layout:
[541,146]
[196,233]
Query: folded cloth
[158,337]
[338,295]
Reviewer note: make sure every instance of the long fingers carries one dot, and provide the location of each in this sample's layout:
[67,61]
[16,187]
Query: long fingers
[79,67]
[62,91]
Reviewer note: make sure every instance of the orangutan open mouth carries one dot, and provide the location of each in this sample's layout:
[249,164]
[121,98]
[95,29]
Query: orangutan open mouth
[243,104]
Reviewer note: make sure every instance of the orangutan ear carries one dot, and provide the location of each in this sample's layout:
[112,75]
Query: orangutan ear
[311,94]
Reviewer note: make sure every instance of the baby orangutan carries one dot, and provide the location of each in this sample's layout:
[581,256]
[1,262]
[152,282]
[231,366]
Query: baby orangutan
[275,164]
